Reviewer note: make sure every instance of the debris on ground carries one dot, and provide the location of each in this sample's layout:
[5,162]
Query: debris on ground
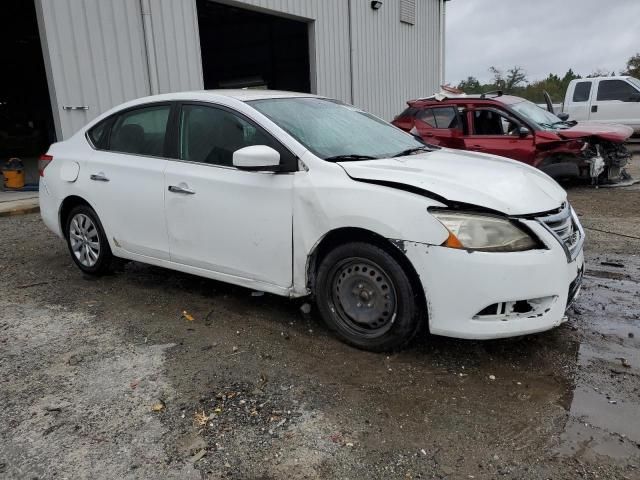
[198,455]
[612,264]
[158,406]
[187,316]
[306,308]
[625,362]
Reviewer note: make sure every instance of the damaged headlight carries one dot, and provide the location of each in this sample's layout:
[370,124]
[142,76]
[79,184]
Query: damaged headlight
[471,231]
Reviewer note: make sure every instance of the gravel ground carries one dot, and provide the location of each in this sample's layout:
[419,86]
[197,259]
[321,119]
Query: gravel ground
[107,378]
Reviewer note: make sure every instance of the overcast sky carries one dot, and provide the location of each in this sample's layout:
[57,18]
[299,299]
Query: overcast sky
[542,36]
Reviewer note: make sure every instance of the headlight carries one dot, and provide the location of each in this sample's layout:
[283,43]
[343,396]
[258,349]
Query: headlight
[485,233]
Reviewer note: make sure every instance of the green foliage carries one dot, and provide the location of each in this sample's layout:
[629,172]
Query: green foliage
[514,82]
[633,66]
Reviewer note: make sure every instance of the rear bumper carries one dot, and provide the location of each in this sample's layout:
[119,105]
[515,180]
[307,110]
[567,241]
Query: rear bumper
[461,286]
[49,208]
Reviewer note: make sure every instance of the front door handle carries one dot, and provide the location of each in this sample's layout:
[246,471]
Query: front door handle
[594,108]
[179,189]
[99,177]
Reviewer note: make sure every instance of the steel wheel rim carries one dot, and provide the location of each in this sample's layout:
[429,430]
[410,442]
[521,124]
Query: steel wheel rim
[84,240]
[363,297]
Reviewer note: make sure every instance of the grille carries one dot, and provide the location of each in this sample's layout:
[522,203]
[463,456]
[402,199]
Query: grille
[566,229]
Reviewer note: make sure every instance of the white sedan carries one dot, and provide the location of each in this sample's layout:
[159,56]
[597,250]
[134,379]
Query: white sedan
[300,195]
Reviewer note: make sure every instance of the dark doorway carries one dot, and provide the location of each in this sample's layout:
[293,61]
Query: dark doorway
[244,48]
[26,121]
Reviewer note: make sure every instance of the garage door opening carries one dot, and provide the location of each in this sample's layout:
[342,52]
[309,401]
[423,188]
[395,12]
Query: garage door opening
[26,121]
[243,48]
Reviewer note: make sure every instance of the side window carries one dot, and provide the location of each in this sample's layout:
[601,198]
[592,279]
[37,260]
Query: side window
[140,131]
[490,122]
[211,135]
[426,116]
[446,117]
[582,92]
[615,90]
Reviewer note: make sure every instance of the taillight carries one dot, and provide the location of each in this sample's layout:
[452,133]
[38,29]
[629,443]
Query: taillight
[43,162]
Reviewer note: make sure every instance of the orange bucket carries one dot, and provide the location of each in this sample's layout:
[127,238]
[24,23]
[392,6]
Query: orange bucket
[13,173]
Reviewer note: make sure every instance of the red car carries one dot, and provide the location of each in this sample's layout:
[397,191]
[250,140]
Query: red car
[519,129]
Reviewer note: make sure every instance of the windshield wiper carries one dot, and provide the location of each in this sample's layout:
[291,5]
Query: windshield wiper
[411,151]
[349,157]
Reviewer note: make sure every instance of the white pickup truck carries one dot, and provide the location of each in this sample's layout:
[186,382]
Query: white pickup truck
[604,100]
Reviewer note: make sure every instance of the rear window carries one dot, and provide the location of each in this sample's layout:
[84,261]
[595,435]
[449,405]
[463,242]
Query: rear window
[140,131]
[582,92]
[442,117]
[98,134]
[426,116]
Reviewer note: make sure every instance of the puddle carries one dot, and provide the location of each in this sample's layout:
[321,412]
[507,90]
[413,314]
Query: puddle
[604,416]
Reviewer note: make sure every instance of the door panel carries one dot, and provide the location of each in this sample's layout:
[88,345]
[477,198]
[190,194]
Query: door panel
[128,192]
[220,218]
[233,222]
[490,133]
[613,103]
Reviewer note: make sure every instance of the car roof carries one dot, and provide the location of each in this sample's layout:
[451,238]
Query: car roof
[461,99]
[243,95]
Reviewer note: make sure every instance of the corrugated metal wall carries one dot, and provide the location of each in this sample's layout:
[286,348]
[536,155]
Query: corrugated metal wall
[392,61]
[95,57]
[177,45]
[97,54]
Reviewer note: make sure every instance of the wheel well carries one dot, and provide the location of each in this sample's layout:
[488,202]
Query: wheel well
[341,236]
[69,204]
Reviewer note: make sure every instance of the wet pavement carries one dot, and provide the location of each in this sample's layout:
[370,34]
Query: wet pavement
[106,378]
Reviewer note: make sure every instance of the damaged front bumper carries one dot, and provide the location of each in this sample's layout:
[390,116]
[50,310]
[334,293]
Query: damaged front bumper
[485,295]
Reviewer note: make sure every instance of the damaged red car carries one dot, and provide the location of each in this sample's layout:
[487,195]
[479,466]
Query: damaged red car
[519,129]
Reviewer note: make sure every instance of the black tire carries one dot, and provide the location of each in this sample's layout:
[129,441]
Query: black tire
[366,298]
[101,262]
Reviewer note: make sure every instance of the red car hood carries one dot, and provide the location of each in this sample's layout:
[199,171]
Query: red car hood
[605,131]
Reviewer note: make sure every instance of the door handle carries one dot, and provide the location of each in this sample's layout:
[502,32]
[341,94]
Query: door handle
[179,189]
[594,108]
[98,177]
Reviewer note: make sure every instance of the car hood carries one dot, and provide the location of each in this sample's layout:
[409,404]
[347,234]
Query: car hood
[607,131]
[477,179]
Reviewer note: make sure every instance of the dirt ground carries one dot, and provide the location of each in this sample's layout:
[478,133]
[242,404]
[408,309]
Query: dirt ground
[107,379]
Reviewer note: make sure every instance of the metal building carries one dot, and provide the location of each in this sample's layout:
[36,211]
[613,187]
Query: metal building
[67,61]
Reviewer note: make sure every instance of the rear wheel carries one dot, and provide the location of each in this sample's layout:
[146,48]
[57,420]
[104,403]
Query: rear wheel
[365,296]
[87,241]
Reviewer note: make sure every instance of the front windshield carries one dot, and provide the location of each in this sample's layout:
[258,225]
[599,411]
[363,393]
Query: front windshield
[635,82]
[538,115]
[333,130]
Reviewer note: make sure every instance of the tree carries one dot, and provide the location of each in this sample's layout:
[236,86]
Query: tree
[598,72]
[633,66]
[470,85]
[516,77]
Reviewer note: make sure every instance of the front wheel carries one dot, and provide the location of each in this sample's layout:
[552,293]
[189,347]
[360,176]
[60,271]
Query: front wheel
[366,298]
[87,241]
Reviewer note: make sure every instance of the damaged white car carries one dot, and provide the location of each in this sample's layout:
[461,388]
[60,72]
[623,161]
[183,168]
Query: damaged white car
[300,195]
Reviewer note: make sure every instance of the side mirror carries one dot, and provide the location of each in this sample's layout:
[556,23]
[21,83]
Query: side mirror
[564,116]
[523,132]
[256,157]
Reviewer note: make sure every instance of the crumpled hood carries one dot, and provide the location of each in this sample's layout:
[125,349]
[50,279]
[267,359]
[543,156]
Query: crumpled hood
[607,131]
[478,179]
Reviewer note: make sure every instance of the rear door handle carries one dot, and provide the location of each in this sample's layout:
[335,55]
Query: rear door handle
[179,189]
[99,177]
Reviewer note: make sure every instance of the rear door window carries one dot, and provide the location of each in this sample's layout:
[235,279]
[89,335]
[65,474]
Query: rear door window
[582,92]
[446,117]
[141,131]
[426,116]
[615,90]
